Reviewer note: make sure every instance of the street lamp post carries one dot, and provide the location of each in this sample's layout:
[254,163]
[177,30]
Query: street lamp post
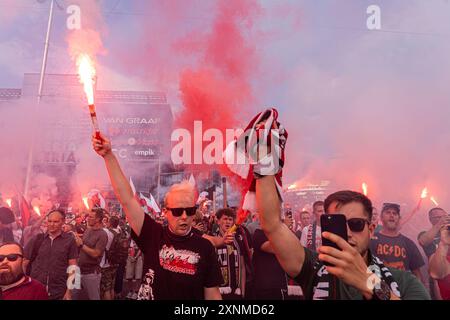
[41,85]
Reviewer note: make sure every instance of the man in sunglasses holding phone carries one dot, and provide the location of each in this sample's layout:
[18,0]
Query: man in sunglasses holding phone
[14,285]
[353,272]
[178,263]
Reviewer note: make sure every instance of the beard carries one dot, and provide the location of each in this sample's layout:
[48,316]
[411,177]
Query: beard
[10,277]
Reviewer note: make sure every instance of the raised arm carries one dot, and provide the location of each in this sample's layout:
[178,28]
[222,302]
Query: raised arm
[426,238]
[439,265]
[120,184]
[285,244]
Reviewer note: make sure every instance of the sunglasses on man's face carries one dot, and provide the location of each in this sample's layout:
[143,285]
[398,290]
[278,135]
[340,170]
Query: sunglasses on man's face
[357,224]
[11,257]
[178,212]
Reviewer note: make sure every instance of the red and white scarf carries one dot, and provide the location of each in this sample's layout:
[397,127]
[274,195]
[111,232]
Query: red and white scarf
[247,155]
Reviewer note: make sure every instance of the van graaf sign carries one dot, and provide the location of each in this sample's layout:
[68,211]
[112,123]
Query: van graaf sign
[136,138]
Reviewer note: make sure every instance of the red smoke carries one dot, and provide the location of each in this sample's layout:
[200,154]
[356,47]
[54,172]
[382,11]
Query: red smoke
[218,91]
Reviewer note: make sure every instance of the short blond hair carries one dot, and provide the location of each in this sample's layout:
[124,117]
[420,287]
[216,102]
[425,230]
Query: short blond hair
[184,187]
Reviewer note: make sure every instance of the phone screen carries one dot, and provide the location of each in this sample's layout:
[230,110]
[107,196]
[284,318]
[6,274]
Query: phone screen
[334,223]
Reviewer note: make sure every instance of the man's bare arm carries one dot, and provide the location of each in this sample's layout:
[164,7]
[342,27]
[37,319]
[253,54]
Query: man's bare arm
[427,237]
[266,247]
[439,266]
[121,186]
[212,293]
[94,253]
[218,242]
[122,189]
[285,244]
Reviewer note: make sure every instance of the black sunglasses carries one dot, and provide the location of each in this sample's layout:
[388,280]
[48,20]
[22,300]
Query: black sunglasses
[177,212]
[11,257]
[357,224]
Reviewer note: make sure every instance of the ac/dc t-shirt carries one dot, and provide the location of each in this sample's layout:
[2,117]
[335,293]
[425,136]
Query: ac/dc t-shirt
[175,268]
[397,252]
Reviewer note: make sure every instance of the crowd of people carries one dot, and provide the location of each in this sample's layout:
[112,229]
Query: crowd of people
[188,254]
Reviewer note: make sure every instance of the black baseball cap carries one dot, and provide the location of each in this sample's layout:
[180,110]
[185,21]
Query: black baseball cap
[389,205]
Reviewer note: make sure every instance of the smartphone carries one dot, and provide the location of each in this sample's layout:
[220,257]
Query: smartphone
[334,223]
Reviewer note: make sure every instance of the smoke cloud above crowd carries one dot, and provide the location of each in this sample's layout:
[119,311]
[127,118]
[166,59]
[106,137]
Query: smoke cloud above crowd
[359,105]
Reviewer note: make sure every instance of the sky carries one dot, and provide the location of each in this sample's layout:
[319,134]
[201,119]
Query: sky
[359,105]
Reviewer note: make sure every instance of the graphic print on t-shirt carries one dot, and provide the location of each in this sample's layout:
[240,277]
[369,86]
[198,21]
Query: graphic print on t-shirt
[394,255]
[179,261]
[146,290]
[397,252]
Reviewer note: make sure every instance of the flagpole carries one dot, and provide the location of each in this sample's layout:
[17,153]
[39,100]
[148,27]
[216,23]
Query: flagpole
[159,180]
[214,202]
[224,188]
[41,85]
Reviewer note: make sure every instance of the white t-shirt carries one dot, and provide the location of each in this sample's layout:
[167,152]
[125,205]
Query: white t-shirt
[304,238]
[104,263]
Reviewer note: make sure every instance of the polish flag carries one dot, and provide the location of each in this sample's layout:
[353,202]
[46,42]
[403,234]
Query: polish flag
[96,199]
[149,205]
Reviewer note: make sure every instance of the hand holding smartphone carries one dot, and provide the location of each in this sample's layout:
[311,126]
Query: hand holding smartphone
[333,223]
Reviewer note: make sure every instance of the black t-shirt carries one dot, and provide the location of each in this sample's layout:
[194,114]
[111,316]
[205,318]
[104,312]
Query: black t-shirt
[397,252]
[175,268]
[268,272]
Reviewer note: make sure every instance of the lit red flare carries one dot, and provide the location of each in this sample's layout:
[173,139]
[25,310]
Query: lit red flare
[37,210]
[9,202]
[86,72]
[86,203]
[434,201]
[424,193]
[364,188]
[242,215]
[292,186]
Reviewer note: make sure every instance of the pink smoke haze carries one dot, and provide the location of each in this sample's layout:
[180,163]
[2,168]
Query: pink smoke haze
[359,105]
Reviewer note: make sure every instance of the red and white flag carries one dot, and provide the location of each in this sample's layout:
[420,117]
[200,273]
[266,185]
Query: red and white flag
[25,211]
[192,180]
[96,199]
[149,205]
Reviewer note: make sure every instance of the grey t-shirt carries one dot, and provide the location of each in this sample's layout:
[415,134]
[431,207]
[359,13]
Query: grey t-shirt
[94,239]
